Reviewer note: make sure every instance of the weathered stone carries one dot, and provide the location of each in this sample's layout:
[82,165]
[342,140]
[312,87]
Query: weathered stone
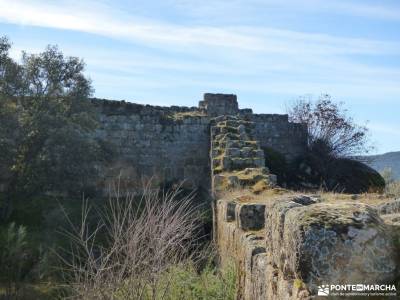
[246,152]
[235,152]
[227,163]
[251,216]
[324,243]
[305,200]
[233,181]
[258,278]
[389,207]
[259,162]
[230,211]
[219,104]
[273,180]
[241,129]
[218,180]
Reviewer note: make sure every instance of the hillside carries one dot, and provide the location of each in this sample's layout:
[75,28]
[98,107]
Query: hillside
[387,160]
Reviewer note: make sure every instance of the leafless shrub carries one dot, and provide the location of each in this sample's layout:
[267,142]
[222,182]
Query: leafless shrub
[133,244]
[330,129]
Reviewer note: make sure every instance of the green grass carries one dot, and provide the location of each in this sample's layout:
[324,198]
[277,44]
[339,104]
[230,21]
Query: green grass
[185,282]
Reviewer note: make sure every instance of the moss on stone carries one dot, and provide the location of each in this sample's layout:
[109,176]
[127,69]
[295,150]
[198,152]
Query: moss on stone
[337,217]
[260,186]
[228,129]
[186,114]
[299,284]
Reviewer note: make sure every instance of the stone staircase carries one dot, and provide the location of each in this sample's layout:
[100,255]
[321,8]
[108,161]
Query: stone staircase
[236,157]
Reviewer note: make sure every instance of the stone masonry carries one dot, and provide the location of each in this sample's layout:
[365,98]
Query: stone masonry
[284,247]
[172,144]
[236,157]
[298,243]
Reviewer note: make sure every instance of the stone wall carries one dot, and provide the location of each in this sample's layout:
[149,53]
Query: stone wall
[297,243]
[219,104]
[173,143]
[168,143]
[276,132]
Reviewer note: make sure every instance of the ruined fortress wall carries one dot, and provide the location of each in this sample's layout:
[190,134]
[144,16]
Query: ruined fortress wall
[276,132]
[152,141]
[172,143]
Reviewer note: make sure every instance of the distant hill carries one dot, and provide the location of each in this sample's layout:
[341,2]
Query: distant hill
[387,160]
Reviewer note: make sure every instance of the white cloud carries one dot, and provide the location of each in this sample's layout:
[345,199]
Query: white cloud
[247,57]
[106,21]
[243,8]
[162,58]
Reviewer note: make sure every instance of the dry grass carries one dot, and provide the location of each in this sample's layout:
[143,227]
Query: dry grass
[393,189]
[187,114]
[245,195]
[268,196]
[392,185]
[259,187]
[367,198]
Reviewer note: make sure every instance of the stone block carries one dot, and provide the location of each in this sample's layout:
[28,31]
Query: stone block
[233,181]
[241,129]
[215,130]
[218,180]
[258,153]
[259,162]
[216,162]
[215,152]
[246,152]
[337,243]
[251,216]
[226,163]
[230,211]
[232,152]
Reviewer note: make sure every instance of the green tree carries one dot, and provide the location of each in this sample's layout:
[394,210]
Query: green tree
[9,126]
[8,115]
[54,145]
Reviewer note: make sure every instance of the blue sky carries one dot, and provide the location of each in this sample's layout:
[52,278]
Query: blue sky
[268,52]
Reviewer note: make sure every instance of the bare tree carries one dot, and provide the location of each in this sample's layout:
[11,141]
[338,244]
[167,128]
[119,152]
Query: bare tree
[330,129]
[142,239]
